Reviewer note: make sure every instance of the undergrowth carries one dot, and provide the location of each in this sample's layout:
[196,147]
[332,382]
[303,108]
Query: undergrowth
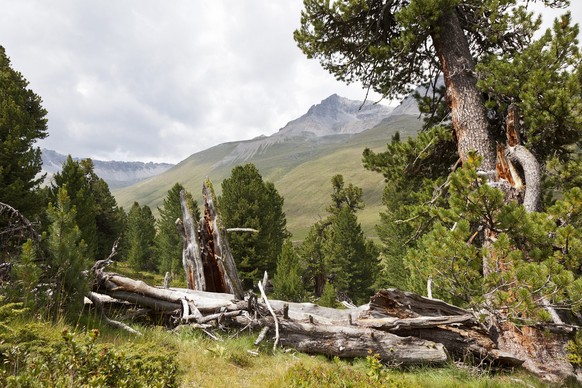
[41,354]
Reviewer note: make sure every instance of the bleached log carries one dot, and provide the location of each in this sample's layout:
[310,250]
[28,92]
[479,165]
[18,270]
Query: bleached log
[272,313]
[531,169]
[402,304]
[160,299]
[392,323]
[353,341]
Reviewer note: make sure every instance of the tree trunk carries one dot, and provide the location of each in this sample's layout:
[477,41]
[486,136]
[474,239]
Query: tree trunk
[207,260]
[464,99]
[191,258]
[216,246]
[353,341]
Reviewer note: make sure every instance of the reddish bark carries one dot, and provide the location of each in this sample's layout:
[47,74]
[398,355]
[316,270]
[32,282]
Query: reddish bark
[465,100]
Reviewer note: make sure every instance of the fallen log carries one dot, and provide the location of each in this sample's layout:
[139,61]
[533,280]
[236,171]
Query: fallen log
[353,341]
[401,327]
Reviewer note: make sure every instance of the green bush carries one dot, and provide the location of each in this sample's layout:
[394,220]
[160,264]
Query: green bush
[79,361]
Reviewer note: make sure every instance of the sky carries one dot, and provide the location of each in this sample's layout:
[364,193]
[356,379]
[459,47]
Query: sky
[152,80]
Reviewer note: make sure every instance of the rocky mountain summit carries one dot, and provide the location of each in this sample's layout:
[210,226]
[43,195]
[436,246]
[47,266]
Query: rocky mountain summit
[336,115]
[332,119]
[116,174]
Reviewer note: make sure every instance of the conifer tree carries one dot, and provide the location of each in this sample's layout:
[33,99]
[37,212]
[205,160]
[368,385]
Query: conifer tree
[26,275]
[336,251]
[535,257]
[109,217]
[66,257]
[391,45]
[287,280]
[328,297]
[22,122]
[99,218]
[313,257]
[140,235]
[168,240]
[74,177]
[351,261]
[248,201]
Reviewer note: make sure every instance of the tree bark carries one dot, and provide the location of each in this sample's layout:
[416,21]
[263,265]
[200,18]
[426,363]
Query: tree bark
[191,258]
[216,247]
[353,341]
[531,169]
[464,99]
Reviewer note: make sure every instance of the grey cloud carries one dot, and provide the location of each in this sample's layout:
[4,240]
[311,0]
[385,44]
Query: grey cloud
[151,80]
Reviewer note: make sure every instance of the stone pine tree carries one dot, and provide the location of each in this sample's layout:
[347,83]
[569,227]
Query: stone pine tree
[336,251]
[74,177]
[391,45]
[22,122]
[351,260]
[168,241]
[66,258]
[250,202]
[288,282]
[100,219]
[140,238]
[109,217]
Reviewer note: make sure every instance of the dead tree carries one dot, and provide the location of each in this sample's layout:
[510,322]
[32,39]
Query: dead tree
[207,259]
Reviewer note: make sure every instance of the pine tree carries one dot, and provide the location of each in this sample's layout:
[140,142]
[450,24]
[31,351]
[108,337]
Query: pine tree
[100,219]
[109,217]
[287,280]
[67,258]
[328,297]
[336,251]
[247,201]
[26,276]
[351,262]
[311,253]
[168,241]
[22,122]
[535,257]
[74,177]
[140,235]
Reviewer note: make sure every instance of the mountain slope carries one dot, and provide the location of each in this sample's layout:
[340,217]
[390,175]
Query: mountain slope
[300,160]
[116,174]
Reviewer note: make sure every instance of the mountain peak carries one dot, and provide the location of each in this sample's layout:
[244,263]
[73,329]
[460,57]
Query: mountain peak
[336,115]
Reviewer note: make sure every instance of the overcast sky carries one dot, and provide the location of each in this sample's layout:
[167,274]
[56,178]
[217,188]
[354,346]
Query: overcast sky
[153,80]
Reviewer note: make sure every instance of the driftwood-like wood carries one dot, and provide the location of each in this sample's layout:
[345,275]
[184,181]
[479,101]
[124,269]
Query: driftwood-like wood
[402,304]
[191,258]
[353,341]
[531,169]
[17,223]
[402,327]
[208,263]
[96,300]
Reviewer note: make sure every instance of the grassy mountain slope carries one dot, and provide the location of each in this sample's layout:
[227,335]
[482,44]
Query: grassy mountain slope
[300,168]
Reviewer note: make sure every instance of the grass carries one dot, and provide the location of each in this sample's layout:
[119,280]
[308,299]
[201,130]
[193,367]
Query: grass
[234,360]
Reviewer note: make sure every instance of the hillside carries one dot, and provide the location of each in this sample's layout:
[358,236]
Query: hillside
[300,160]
